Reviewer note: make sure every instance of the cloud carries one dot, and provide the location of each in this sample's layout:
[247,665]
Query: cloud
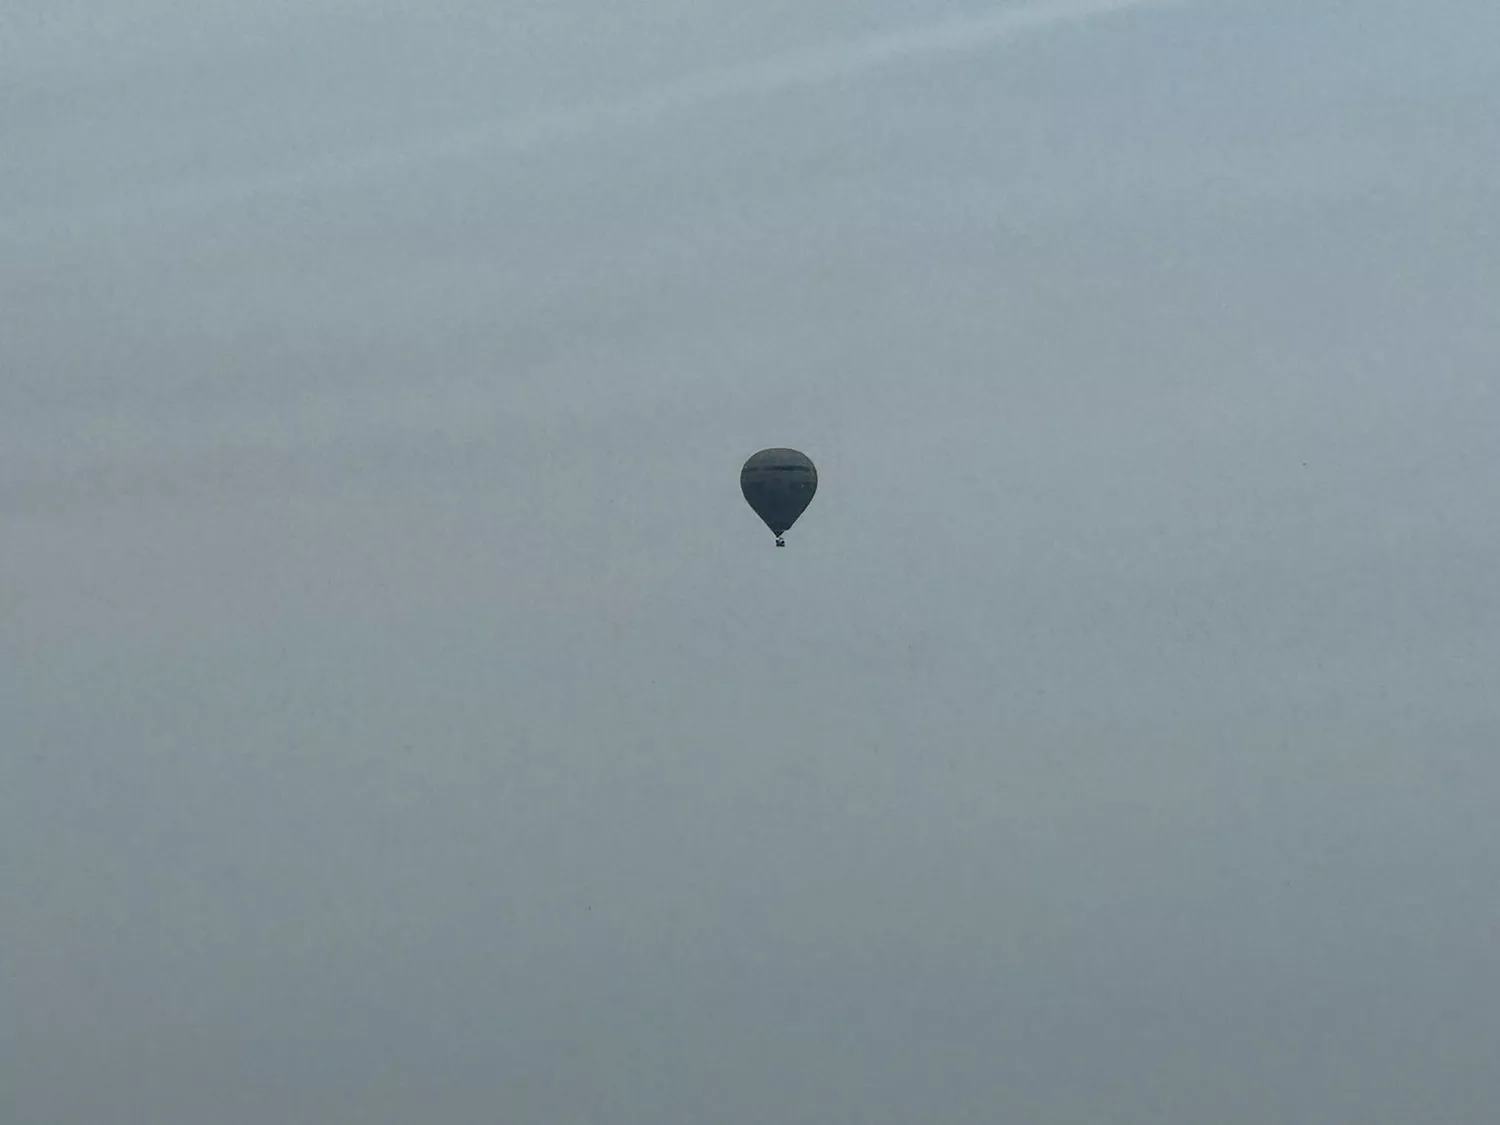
[808,68]
[802,69]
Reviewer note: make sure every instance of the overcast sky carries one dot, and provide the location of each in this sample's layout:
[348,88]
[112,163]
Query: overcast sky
[403,718]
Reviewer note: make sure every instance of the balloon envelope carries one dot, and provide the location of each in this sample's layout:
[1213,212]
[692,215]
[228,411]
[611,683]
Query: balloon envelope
[779,484]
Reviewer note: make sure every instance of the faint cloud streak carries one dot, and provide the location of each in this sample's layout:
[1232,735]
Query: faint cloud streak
[793,70]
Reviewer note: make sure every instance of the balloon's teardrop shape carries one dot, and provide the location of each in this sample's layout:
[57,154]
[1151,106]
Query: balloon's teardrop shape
[779,484]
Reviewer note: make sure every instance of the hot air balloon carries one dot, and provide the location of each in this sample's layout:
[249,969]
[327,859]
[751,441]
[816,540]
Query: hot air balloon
[779,484]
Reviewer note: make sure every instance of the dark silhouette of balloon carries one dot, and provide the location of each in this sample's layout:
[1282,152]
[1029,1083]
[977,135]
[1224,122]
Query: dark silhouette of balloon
[779,484]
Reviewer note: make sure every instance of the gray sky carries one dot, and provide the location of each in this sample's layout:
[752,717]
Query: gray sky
[403,718]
